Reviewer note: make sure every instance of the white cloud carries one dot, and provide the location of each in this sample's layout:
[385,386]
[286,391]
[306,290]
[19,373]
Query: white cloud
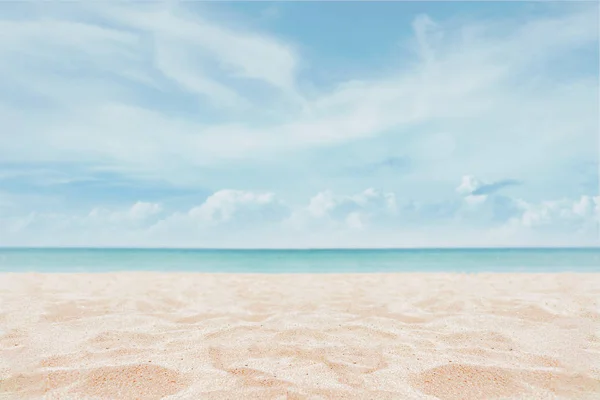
[587,207]
[354,220]
[582,213]
[553,223]
[179,37]
[327,211]
[142,210]
[169,59]
[45,39]
[320,204]
[237,218]
[226,205]
[157,92]
[468,185]
[475,199]
[138,212]
[465,72]
[226,215]
[101,226]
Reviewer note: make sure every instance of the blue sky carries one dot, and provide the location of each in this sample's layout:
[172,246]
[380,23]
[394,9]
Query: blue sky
[257,124]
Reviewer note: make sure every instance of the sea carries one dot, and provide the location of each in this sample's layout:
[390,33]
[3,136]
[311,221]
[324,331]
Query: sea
[300,261]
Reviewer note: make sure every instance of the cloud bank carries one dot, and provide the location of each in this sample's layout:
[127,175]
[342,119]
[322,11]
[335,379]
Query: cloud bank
[237,218]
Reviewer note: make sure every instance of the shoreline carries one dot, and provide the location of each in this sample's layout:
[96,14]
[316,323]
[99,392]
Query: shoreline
[289,274]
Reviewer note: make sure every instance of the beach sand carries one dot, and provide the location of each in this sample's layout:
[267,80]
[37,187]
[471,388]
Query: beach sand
[233,336]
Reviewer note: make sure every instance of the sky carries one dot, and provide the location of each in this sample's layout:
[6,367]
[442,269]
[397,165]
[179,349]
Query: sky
[299,124]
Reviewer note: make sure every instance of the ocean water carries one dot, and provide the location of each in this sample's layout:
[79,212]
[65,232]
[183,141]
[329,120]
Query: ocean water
[297,261]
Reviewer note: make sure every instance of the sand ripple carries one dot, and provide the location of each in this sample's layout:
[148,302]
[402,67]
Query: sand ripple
[403,336]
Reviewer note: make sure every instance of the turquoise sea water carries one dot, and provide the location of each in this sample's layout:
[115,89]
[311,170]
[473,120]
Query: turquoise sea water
[294,261]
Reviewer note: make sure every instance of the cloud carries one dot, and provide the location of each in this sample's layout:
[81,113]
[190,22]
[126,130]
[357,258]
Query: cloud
[573,213]
[227,205]
[179,35]
[237,218]
[329,211]
[239,54]
[159,102]
[462,72]
[472,186]
[388,164]
[495,186]
[226,215]
[138,212]
[320,205]
[468,185]
[516,217]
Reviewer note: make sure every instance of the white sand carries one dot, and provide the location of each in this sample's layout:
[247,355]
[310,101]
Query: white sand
[232,336]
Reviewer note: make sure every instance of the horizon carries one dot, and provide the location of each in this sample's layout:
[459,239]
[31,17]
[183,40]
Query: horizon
[301,248]
[300,125]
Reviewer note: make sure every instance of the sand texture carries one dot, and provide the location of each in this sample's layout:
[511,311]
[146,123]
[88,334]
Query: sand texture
[233,336]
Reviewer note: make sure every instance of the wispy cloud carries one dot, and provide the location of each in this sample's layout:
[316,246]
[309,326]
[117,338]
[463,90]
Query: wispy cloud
[180,96]
[388,164]
[495,186]
[468,77]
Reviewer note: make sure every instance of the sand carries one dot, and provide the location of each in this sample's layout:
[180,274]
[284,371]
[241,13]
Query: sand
[232,336]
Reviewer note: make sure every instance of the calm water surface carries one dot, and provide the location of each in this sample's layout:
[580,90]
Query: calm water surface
[285,261]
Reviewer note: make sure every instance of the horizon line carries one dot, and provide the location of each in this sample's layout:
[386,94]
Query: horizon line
[300,248]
